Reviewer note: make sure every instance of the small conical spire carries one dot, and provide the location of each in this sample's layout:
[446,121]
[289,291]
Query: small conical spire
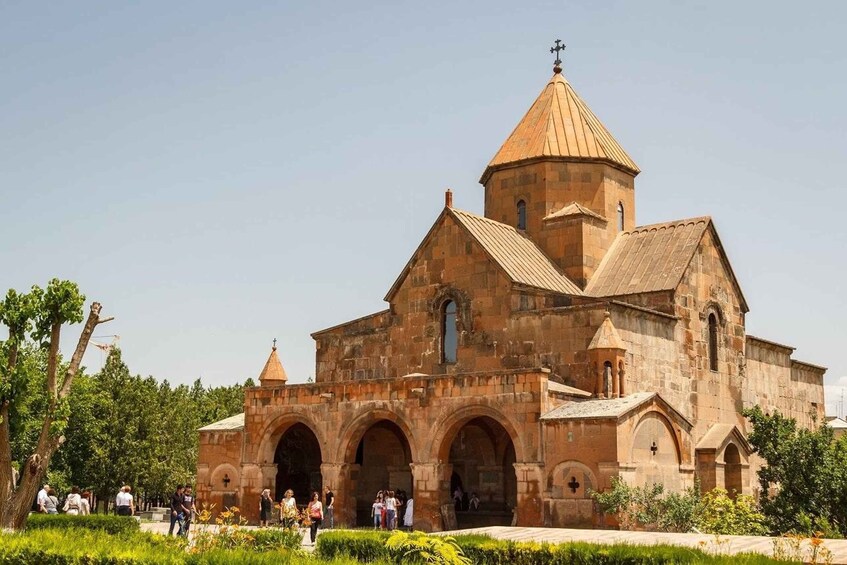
[273,373]
[607,336]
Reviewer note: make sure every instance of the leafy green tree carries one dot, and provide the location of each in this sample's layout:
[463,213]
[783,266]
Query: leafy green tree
[804,483]
[39,316]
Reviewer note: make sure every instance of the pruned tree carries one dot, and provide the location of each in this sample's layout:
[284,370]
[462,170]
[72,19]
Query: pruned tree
[38,315]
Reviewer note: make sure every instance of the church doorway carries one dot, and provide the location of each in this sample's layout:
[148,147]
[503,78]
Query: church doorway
[298,461]
[732,470]
[482,457]
[383,456]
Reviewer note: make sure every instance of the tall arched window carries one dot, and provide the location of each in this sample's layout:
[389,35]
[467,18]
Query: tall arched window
[620,216]
[449,337]
[713,342]
[521,215]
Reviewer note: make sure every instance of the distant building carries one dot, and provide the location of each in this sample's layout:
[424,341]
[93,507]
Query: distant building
[838,425]
[529,355]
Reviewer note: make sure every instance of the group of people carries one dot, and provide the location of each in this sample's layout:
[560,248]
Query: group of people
[76,503]
[390,512]
[183,507]
[315,512]
[462,502]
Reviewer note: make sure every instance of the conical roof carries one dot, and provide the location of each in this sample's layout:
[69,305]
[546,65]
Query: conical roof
[607,336]
[273,373]
[559,124]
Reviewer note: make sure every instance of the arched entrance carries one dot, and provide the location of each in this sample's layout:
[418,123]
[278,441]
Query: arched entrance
[383,457]
[298,460]
[732,470]
[482,457]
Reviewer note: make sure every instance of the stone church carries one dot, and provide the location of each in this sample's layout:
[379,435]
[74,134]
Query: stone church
[528,355]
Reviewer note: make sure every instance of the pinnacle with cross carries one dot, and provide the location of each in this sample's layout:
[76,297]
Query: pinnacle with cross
[557,49]
[274,344]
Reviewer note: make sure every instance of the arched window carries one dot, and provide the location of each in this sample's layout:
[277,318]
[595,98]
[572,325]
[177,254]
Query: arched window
[521,215]
[713,342]
[620,216]
[449,337]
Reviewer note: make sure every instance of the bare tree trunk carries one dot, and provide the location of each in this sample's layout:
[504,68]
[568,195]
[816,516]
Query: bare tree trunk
[14,508]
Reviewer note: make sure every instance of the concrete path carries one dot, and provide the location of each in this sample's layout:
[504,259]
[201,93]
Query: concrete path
[714,544]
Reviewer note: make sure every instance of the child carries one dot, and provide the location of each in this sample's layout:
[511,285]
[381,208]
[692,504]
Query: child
[376,512]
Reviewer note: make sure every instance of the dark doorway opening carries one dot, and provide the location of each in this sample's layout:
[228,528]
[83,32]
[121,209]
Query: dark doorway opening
[383,455]
[298,460]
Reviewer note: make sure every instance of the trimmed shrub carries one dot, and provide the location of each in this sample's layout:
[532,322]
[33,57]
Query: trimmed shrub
[98,522]
[363,545]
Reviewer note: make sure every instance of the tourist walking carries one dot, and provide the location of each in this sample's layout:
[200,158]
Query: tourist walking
[73,502]
[85,503]
[265,505]
[41,499]
[376,511]
[316,515]
[177,513]
[187,507]
[288,510]
[51,504]
[329,499]
[124,503]
[390,510]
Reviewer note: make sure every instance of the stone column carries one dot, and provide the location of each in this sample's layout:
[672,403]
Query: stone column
[250,491]
[431,489]
[269,471]
[530,476]
[342,478]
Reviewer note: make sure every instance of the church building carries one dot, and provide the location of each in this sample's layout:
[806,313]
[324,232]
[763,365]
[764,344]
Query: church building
[528,355]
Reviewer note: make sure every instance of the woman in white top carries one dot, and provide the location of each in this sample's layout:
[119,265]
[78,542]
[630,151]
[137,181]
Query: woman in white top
[315,512]
[84,504]
[73,503]
[390,510]
[288,510]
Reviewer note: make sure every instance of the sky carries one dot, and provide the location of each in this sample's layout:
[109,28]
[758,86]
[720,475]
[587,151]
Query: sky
[220,174]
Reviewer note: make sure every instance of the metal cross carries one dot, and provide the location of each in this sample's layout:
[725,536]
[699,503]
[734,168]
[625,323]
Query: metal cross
[274,343]
[559,47]
[573,484]
[654,448]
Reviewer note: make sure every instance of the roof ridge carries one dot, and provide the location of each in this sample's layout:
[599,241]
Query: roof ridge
[669,223]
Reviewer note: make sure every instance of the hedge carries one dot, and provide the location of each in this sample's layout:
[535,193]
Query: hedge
[368,546]
[99,522]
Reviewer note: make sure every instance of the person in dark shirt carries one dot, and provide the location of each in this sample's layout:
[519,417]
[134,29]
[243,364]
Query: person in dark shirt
[328,508]
[188,502]
[176,509]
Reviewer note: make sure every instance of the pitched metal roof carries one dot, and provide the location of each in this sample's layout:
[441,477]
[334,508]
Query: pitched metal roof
[233,423]
[560,124]
[648,259]
[516,254]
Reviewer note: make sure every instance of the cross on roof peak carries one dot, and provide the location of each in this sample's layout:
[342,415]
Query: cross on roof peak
[557,49]
[274,348]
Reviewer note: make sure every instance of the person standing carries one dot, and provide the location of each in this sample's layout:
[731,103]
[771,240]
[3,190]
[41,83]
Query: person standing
[51,505]
[177,514]
[41,499]
[329,499]
[390,510]
[73,502]
[316,515]
[401,506]
[85,503]
[124,503]
[265,505]
[376,511]
[408,519]
[188,508]
[288,510]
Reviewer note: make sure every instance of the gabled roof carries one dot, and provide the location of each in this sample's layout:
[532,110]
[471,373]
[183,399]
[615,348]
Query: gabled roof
[273,372]
[572,210]
[609,409]
[233,423]
[654,258]
[560,124]
[521,260]
[718,436]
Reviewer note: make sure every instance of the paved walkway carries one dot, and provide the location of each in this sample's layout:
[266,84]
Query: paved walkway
[714,544]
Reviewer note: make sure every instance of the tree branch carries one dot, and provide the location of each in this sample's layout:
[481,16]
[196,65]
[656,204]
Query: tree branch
[92,322]
[53,359]
[5,443]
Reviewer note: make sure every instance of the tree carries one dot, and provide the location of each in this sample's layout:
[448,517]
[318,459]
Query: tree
[804,484]
[38,315]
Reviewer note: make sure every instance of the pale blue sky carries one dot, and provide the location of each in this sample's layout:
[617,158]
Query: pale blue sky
[218,174]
